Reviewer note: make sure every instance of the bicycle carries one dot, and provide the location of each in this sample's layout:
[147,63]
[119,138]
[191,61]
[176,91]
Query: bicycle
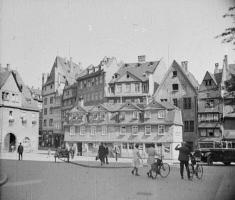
[195,168]
[163,169]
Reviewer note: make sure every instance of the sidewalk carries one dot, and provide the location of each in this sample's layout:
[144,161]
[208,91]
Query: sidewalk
[42,155]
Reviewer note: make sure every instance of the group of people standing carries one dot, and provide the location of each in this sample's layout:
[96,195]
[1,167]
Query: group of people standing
[103,153]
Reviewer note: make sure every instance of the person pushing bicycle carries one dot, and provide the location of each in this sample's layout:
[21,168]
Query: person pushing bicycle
[153,160]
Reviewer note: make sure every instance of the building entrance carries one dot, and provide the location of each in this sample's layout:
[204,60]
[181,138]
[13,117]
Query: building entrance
[10,142]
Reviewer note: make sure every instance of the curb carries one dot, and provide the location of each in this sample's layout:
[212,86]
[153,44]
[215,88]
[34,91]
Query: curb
[3,179]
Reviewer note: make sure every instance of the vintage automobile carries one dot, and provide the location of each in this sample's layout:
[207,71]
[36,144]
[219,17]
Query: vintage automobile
[62,153]
[222,151]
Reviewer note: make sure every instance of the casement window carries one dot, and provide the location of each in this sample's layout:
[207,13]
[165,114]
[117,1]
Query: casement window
[135,115]
[124,145]
[123,130]
[51,99]
[93,130]
[128,87]
[82,130]
[161,129]
[104,130]
[188,126]
[148,130]
[135,130]
[95,116]
[44,122]
[175,87]
[72,131]
[137,87]
[161,114]
[163,100]
[187,103]
[202,132]
[119,88]
[174,73]
[50,110]
[102,116]
[147,114]
[51,122]
[45,101]
[175,102]
[122,116]
[144,87]
[5,96]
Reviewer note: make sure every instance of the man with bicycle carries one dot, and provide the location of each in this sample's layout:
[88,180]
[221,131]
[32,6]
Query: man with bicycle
[184,153]
[152,155]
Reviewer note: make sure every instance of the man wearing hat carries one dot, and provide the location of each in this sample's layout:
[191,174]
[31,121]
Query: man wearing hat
[184,153]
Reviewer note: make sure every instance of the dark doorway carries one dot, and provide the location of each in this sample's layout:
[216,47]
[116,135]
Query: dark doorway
[79,148]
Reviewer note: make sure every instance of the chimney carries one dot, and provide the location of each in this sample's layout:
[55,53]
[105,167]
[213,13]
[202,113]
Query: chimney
[141,58]
[43,78]
[8,67]
[184,65]
[216,70]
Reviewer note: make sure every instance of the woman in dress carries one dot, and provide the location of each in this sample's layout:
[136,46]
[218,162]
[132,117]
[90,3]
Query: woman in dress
[136,160]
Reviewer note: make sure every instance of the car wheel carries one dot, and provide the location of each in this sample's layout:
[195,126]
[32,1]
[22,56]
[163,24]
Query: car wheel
[227,163]
[209,160]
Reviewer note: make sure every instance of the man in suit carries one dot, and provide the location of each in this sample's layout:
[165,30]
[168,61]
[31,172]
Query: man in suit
[20,151]
[184,153]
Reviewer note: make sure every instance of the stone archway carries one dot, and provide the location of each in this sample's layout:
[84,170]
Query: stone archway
[10,142]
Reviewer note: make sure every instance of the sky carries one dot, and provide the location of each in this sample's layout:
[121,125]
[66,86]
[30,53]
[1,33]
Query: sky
[34,32]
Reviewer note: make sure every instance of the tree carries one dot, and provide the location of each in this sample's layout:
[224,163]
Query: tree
[229,33]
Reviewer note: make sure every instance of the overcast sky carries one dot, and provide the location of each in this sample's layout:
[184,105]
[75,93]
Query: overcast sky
[34,32]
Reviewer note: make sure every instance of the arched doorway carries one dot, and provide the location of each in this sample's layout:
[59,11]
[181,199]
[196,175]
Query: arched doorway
[10,142]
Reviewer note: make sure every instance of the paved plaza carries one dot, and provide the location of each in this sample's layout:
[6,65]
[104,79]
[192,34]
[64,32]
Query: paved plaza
[47,180]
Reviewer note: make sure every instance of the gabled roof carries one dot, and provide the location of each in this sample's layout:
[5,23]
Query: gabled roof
[130,104]
[138,70]
[67,69]
[188,76]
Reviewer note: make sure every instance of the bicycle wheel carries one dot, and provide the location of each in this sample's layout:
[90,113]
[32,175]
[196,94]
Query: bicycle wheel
[199,171]
[190,170]
[164,170]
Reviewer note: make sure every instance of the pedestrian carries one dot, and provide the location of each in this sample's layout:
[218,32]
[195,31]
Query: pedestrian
[116,152]
[101,153]
[184,154]
[153,160]
[136,160]
[106,154]
[49,152]
[20,151]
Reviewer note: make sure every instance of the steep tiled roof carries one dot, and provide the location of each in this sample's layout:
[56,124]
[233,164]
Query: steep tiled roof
[3,77]
[187,74]
[137,69]
[231,68]
[218,78]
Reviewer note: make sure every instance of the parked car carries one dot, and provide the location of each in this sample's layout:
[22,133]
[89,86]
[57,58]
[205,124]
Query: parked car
[62,153]
[225,153]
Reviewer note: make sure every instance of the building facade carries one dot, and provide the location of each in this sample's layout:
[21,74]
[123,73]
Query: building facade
[216,107]
[136,82]
[92,84]
[19,114]
[63,72]
[179,87]
[124,125]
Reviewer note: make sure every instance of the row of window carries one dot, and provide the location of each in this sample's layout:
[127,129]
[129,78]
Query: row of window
[50,111]
[93,96]
[8,96]
[128,88]
[23,118]
[91,82]
[48,86]
[123,131]
[187,102]
[188,126]
[50,122]
[208,117]
[45,100]
[210,132]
